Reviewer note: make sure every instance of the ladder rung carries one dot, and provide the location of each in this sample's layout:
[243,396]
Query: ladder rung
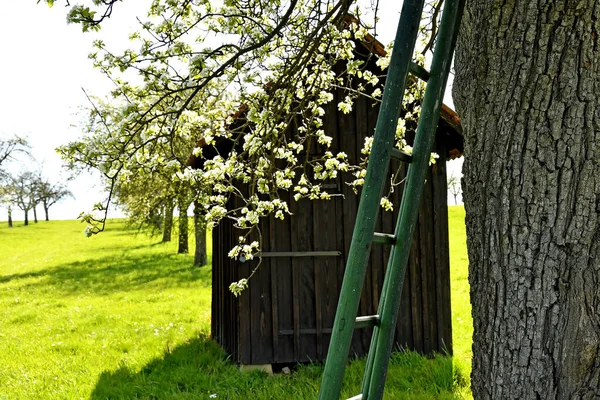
[368,321]
[419,71]
[357,397]
[401,156]
[384,238]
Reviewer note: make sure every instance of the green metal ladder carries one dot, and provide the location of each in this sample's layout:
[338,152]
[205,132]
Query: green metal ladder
[382,151]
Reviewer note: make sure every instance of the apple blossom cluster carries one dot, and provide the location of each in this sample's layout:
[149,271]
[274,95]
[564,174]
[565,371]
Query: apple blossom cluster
[256,75]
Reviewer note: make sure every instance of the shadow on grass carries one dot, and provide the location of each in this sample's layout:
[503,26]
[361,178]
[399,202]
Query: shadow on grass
[196,369]
[199,369]
[115,273]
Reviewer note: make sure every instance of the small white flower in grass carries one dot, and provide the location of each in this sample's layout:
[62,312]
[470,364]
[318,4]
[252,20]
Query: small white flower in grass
[213,396]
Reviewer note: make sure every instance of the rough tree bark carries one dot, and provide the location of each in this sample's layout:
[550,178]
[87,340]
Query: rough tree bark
[168,224]
[35,215]
[183,206]
[200,257]
[527,88]
[26,212]
[10,224]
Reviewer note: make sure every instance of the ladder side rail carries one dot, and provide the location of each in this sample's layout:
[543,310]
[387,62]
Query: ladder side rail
[360,246]
[407,218]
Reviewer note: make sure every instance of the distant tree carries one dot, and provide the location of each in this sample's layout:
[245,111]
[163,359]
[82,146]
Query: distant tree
[454,186]
[21,190]
[6,199]
[9,146]
[34,208]
[10,224]
[48,194]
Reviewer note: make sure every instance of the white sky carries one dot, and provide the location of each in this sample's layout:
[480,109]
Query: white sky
[44,68]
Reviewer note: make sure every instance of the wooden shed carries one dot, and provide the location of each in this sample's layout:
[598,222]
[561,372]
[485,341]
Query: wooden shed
[286,314]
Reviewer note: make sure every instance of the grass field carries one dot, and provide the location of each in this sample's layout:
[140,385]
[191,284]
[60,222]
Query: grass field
[462,323]
[120,316]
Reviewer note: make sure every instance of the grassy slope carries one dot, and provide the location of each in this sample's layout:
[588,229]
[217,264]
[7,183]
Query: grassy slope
[120,316]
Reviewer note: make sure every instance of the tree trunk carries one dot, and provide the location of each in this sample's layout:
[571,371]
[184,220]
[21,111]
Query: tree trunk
[168,224]
[527,88]
[26,217]
[200,257]
[183,227]
[46,211]
[10,224]
[35,215]
[455,199]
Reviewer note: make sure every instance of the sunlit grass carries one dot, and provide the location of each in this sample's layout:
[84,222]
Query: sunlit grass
[462,323]
[121,316]
[72,308]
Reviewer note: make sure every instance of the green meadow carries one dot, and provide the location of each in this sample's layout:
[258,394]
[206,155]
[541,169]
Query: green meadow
[121,316]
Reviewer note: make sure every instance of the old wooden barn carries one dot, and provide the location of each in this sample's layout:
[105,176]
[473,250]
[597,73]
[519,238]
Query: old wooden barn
[287,312]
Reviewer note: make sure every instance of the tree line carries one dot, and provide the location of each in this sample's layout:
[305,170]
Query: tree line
[149,201]
[26,189]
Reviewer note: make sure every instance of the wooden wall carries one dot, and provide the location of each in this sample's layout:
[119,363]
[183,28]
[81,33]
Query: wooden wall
[287,312]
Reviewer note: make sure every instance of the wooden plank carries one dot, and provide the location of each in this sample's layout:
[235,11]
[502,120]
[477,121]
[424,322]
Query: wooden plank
[224,307]
[442,251]
[215,306]
[243,301]
[416,306]
[328,232]
[295,293]
[230,302]
[281,241]
[302,240]
[307,331]
[262,318]
[320,253]
[222,320]
[404,335]
[268,243]
[244,316]
[349,145]
[426,234]
[317,272]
